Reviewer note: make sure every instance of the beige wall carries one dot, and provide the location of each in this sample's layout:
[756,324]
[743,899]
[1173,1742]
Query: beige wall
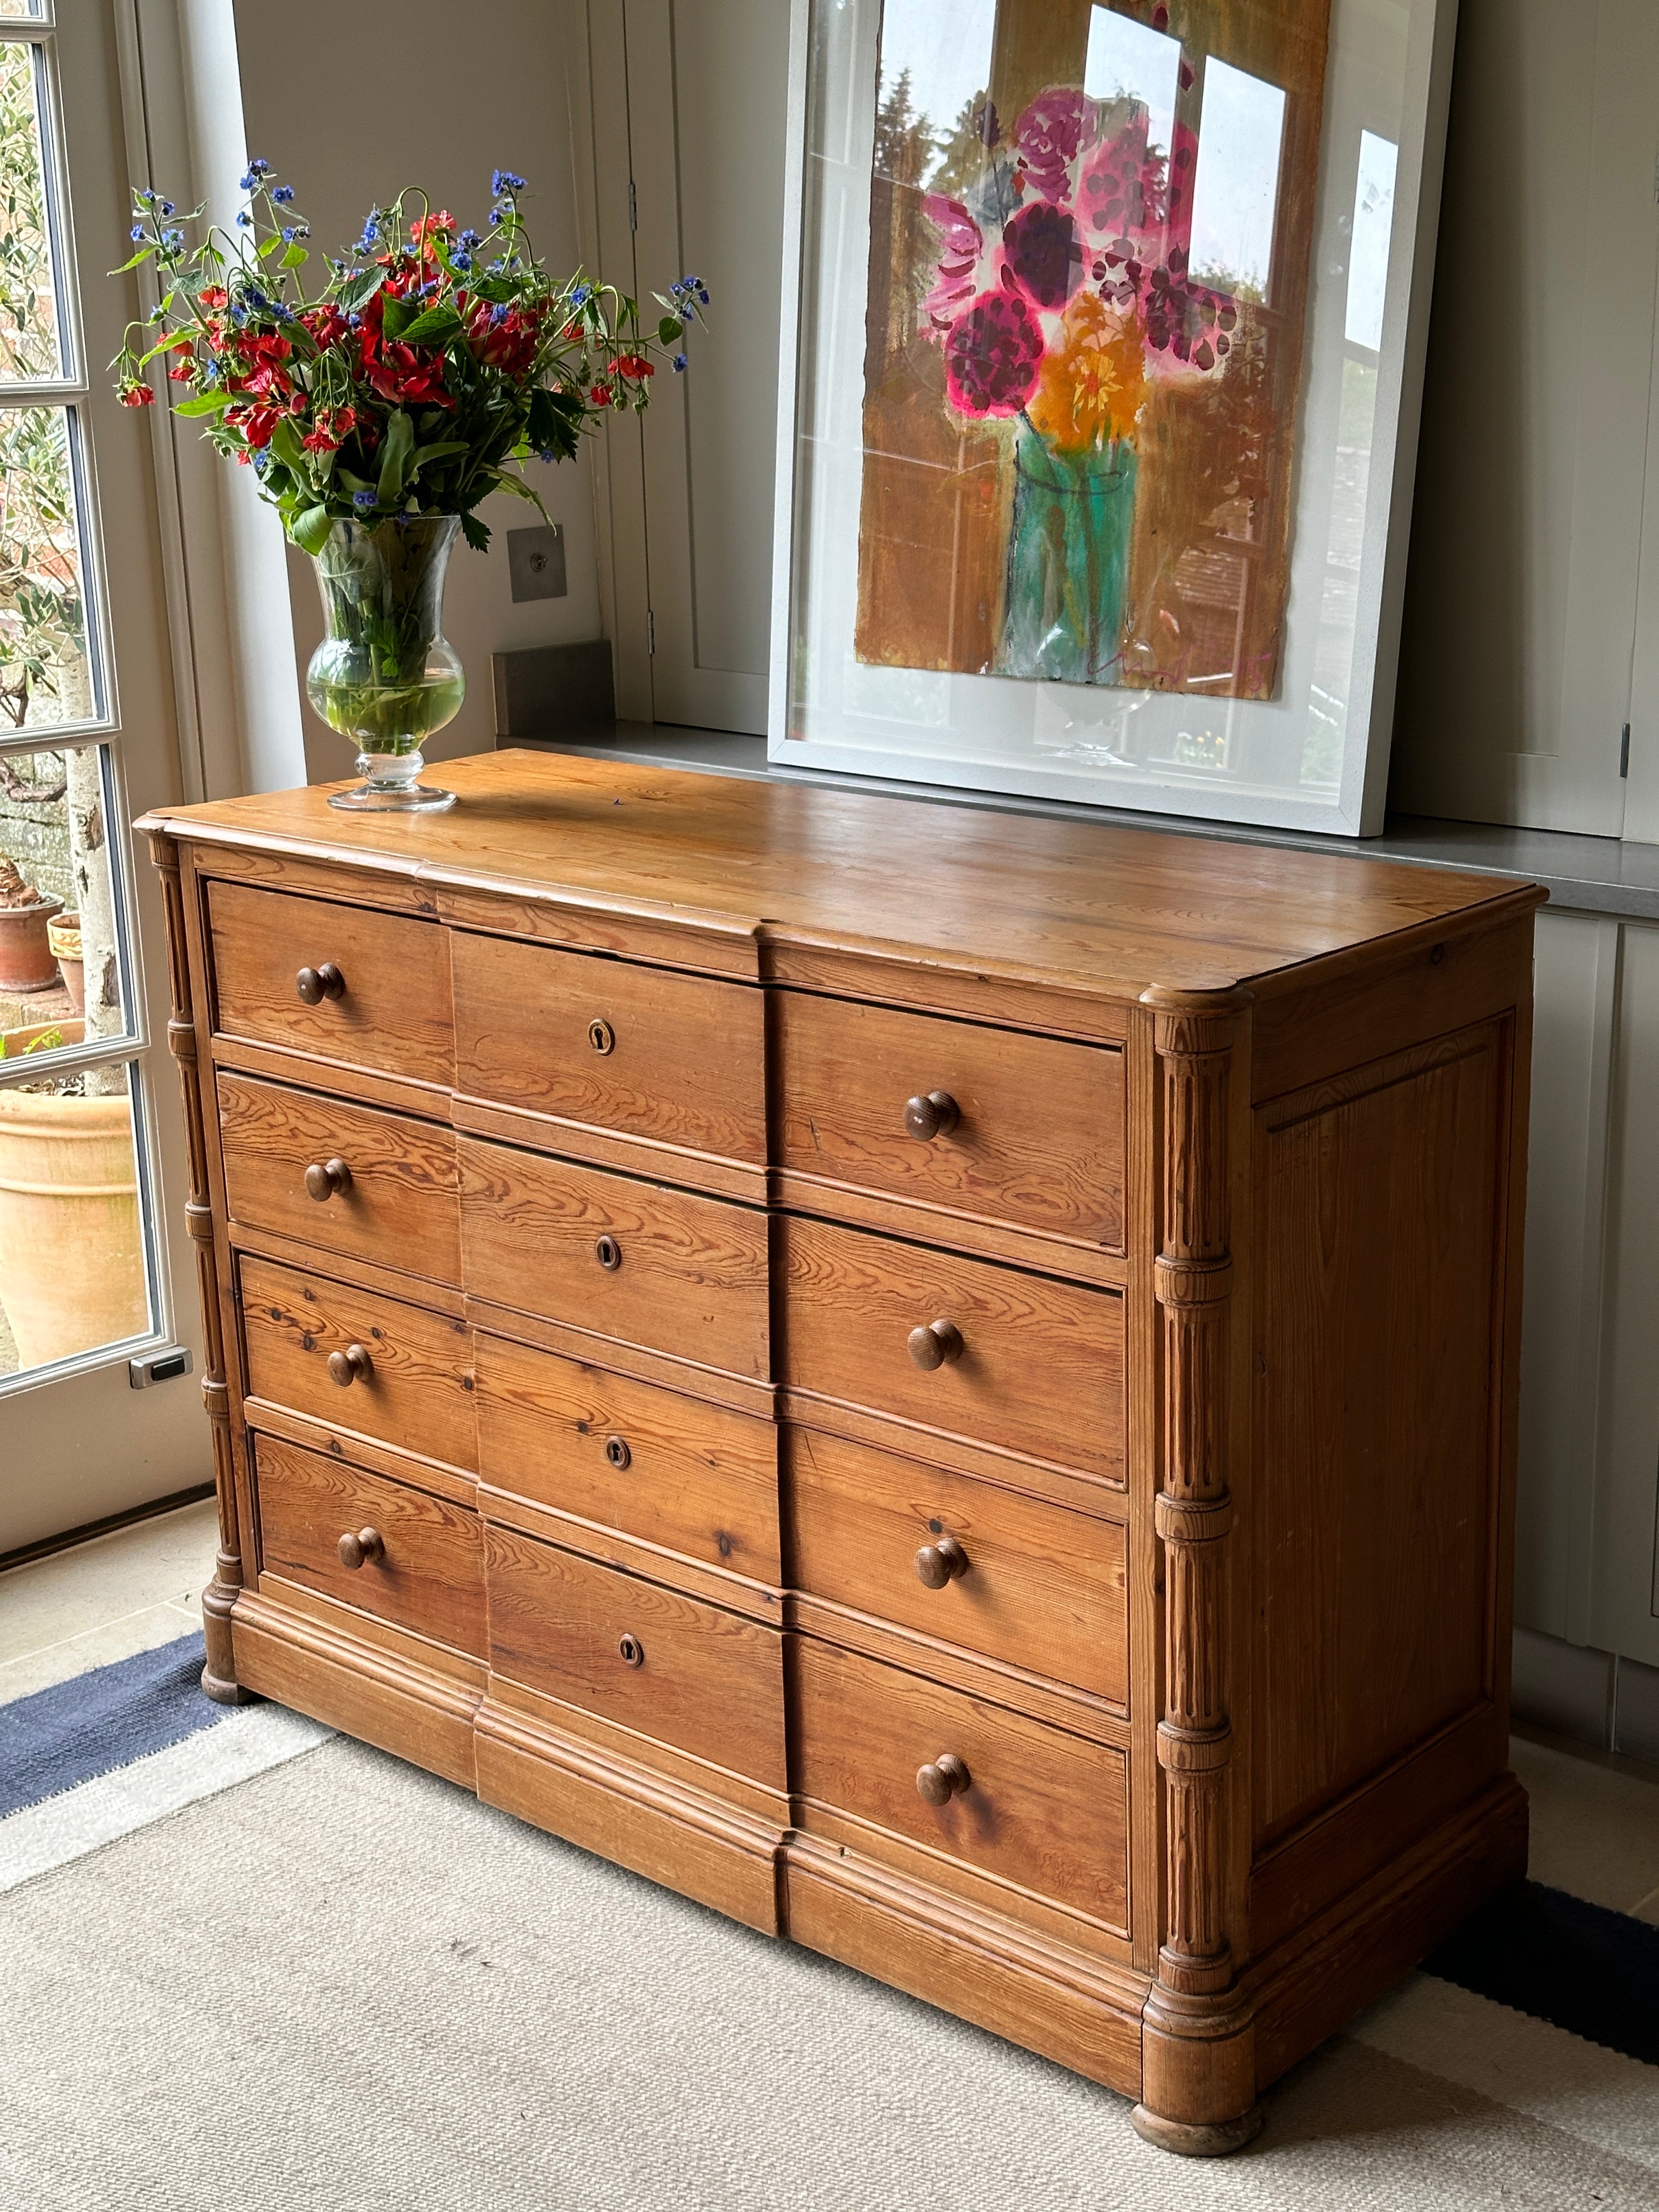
[353,102]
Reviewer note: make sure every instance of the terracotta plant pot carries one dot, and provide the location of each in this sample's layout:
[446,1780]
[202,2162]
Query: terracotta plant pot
[63,936]
[27,962]
[71,1252]
[14,1043]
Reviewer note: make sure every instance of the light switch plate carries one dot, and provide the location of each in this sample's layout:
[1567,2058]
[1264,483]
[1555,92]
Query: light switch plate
[535,561]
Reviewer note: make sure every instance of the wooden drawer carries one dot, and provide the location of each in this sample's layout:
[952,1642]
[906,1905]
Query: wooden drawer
[417,1391]
[669,1470]
[429,1576]
[680,1059]
[1043,1589]
[689,1274]
[706,1681]
[1041,1371]
[392,1012]
[1040,1139]
[399,1208]
[1044,1809]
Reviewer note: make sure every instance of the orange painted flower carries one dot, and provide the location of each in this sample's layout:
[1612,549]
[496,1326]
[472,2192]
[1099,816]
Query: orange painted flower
[1093,382]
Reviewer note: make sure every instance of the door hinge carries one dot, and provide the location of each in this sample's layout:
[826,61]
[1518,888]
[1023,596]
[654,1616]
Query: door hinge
[650,631]
[1624,752]
[633,205]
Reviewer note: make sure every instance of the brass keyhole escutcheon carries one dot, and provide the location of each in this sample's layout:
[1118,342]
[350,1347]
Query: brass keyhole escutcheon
[632,1650]
[601,1036]
[608,1252]
[616,1451]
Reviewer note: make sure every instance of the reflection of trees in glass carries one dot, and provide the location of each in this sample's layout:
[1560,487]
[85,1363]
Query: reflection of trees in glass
[28,321]
[43,648]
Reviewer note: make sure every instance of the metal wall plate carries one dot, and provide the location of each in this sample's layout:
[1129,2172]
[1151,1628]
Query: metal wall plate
[535,561]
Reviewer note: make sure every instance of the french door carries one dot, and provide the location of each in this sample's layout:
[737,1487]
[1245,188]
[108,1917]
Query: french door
[96,1287]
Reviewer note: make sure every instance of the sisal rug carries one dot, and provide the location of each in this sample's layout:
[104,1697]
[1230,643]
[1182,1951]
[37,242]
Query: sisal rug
[342,1985]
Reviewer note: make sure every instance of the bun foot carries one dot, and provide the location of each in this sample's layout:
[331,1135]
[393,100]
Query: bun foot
[1192,2139]
[225,1692]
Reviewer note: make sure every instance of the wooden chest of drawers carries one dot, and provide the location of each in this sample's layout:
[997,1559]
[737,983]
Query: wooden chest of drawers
[941,1382]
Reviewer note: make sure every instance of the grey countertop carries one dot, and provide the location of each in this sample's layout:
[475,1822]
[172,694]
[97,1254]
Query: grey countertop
[1586,875]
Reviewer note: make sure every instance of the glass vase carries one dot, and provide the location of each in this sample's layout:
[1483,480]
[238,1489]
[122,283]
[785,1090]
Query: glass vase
[1068,562]
[384,674]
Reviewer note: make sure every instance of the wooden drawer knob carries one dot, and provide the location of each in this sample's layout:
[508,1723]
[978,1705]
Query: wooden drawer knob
[933,1114]
[355,1364]
[608,1253]
[367,1547]
[316,984]
[942,1778]
[325,1179]
[936,1564]
[632,1651]
[616,1451]
[935,1344]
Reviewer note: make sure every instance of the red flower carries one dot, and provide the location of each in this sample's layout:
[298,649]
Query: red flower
[634,365]
[333,426]
[405,374]
[182,371]
[266,350]
[427,229]
[255,423]
[213,296]
[507,342]
[601,395]
[136,395]
[326,323]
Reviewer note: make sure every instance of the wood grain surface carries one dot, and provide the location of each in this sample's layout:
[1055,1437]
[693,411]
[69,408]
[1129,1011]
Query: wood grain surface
[431,1578]
[691,1278]
[710,1682]
[418,1395]
[401,1209]
[678,1060]
[1040,1140]
[1041,1373]
[1046,1811]
[1044,1589]
[393,1013]
[1092,905]
[695,1478]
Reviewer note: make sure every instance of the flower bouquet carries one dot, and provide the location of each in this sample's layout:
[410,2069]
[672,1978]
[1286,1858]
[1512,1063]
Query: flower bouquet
[380,411]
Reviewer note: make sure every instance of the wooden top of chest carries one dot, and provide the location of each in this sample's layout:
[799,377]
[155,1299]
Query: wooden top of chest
[1107,909]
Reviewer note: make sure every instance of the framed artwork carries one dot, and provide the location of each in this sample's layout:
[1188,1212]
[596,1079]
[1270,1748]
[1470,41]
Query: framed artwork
[1104,325]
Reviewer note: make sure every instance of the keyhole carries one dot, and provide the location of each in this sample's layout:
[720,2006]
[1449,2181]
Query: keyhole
[632,1650]
[616,1451]
[608,1252]
[601,1036]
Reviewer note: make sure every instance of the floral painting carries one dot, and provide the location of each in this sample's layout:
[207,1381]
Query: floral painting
[1084,338]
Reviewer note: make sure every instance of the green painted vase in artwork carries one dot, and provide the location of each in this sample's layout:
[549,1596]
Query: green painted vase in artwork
[1068,562]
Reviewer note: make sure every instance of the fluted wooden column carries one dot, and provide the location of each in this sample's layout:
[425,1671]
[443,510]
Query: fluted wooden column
[1198,2056]
[219,1675]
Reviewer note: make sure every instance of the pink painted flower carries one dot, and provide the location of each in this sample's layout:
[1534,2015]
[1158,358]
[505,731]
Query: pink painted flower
[992,352]
[1047,137]
[1040,248]
[959,249]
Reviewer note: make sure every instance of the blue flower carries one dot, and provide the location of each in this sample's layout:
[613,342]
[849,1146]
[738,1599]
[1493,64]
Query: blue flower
[354,322]
[283,195]
[290,233]
[136,232]
[261,462]
[283,313]
[461,261]
[497,215]
[703,294]
[260,168]
[365,498]
[688,314]
[244,220]
[247,180]
[468,240]
[166,206]
[545,453]
[148,197]
[583,292]
[679,364]
[503,180]
[173,238]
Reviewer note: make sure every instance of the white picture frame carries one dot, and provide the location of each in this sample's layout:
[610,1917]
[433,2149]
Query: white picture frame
[1303,759]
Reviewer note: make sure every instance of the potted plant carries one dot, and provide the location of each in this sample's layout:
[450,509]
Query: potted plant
[27,962]
[381,409]
[63,936]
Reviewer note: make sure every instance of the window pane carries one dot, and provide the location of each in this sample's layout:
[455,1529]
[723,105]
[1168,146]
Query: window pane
[29,343]
[61,964]
[19,8]
[47,674]
[74,1272]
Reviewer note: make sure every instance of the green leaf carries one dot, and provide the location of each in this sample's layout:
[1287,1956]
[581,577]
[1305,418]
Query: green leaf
[424,456]
[285,445]
[397,316]
[296,257]
[475,533]
[394,459]
[309,530]
[668,329]
[518,485]
[435,327]
[203,403]
[352,483]
[357,291]
[269,245]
